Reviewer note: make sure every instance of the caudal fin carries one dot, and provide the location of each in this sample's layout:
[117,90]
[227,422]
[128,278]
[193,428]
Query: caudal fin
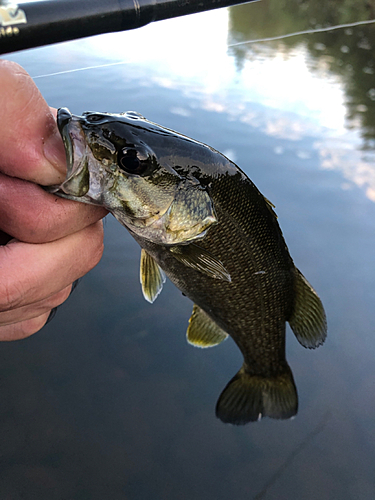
[248,398]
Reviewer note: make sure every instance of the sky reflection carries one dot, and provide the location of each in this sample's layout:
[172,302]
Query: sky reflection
[281,90]
[108,398]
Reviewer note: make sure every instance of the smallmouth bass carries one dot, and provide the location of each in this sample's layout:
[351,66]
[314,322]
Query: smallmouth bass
[201,221]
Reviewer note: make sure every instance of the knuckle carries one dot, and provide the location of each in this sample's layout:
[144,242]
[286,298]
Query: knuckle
[11,295]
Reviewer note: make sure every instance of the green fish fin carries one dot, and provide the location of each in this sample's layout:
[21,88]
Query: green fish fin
[202,331]
[308,320]
[248,398]
[151,276]
[201,260]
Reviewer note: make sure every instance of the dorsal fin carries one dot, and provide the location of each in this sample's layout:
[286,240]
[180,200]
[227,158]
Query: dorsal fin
[201,260]
[202,331]
[308,320]
[151,277]
[271,206]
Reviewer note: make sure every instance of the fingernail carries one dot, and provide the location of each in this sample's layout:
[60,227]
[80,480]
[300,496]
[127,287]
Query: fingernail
[55,153]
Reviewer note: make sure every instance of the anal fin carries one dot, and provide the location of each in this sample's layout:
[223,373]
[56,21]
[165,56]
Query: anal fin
[152,277]
[202,331]
[308,320]
[248,398]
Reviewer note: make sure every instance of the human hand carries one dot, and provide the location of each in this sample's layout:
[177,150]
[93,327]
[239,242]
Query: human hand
[53,241]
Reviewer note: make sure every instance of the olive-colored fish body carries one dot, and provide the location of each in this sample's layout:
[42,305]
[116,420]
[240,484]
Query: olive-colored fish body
[202,222]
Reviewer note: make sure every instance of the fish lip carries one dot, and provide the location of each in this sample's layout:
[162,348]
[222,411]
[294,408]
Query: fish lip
[75,145]
[64,118]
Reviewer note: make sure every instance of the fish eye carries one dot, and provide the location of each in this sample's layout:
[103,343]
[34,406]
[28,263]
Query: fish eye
[132,161]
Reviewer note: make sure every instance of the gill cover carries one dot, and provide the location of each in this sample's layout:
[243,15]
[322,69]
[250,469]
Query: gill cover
[189,214]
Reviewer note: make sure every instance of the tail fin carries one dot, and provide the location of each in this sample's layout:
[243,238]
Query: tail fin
[248,398]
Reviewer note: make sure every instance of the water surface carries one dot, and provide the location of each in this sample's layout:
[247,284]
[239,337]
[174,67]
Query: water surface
[108,400]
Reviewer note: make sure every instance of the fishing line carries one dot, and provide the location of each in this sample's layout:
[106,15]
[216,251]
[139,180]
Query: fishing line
[237,44]
[305,32]
[81,69]
[303,444]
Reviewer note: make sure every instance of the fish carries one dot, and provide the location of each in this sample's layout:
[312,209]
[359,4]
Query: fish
[201,222]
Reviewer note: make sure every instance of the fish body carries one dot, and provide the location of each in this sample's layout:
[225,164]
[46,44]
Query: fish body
[202,222]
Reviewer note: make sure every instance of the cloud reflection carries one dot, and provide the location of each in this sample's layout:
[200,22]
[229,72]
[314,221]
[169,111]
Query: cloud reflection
[352,164]
[281,91]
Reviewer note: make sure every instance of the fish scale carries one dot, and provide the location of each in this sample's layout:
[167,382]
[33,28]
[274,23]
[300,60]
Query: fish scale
[200,220]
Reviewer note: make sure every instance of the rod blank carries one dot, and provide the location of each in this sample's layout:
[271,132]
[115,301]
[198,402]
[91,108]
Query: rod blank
[35,24]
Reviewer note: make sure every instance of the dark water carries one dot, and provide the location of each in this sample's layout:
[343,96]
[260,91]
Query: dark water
[108,400]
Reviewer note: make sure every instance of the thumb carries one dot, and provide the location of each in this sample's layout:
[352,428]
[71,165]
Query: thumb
[30,144]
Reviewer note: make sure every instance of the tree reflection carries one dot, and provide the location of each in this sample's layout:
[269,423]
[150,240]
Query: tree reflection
[347,52]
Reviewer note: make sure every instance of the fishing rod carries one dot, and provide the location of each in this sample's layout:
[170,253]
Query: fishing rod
[37,23]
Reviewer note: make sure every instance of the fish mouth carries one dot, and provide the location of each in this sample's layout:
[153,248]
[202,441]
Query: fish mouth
[77,178]
[64,116]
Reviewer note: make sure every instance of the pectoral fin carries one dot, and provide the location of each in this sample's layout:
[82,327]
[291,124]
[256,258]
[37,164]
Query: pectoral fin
[152,277]
[199,259]
[308,320]
[191,213]
[202,331]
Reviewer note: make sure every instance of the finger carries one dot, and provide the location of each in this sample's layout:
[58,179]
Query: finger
[32,215]
[34,310]
[18,331]
[30,145]
[32,272]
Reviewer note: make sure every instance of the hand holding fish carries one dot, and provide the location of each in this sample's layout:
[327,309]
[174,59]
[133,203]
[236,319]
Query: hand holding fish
[51,242]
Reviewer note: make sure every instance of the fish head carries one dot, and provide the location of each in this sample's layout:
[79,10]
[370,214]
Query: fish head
[139,172]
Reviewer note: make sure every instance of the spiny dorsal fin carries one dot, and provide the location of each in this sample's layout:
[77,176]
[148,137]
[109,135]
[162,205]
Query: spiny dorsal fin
[271,206]
[308,320]
[151,276]
[202,331]
[248,398]
[199,259]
